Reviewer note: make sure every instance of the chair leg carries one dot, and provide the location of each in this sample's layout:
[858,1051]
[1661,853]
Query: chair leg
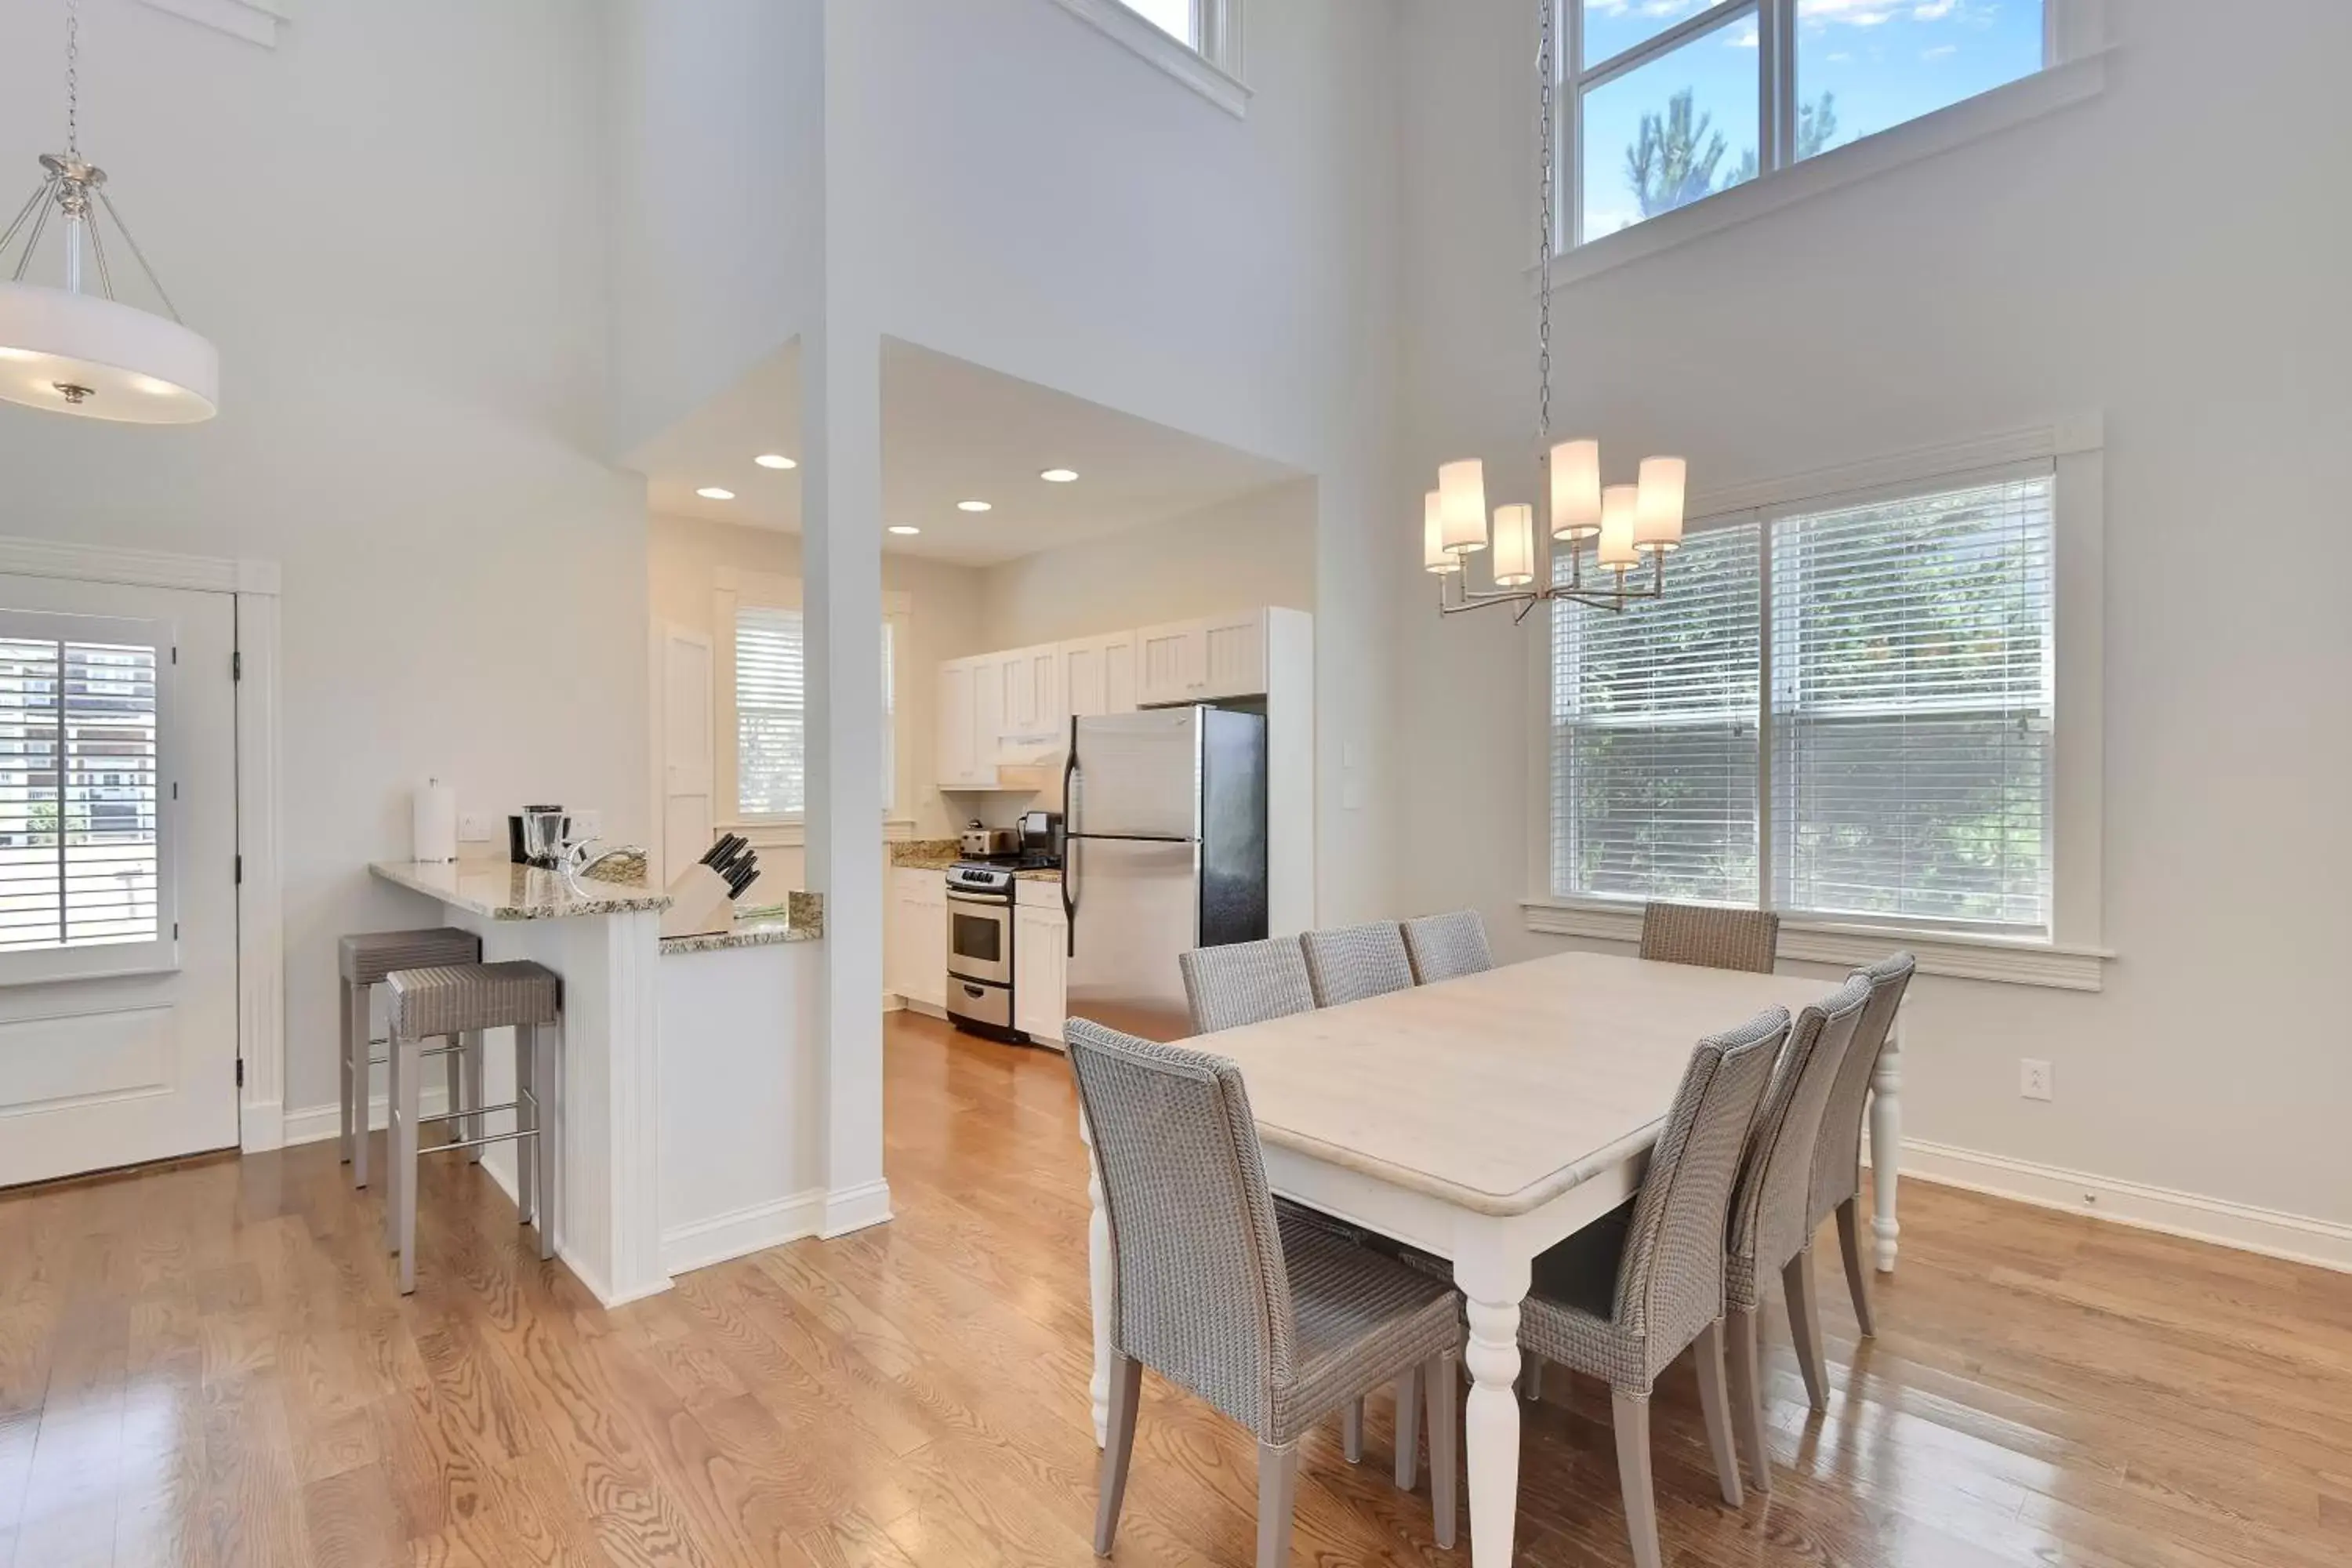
[1119,1447]
[361,1079]
[344,1063]
[402,1156]
[1714,1401]
[1805,1326]
[476,1126]
[1408,1429]
[1437,1376]
[1531,1376]
[1278,1492]
[1629,1413]
[1857,1278]
[547,1080]
[1748,1397]
[1351,1431]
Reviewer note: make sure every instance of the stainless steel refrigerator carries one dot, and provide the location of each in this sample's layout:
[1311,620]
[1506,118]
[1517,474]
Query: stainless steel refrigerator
[1164,850]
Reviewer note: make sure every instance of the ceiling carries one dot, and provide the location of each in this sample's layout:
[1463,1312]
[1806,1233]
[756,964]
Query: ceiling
[953,431]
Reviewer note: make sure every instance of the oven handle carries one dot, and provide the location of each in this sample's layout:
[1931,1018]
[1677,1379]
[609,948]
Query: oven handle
[986,900]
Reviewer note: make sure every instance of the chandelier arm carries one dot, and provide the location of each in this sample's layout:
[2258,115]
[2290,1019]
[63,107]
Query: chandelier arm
[32,241]
[139,255]
[42,194]
[98,255]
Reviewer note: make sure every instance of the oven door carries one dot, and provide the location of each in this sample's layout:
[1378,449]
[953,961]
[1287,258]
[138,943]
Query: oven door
[980,939]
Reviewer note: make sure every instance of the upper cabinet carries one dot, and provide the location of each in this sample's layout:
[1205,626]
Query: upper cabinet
[1202,661]
[970,718]
[1031,680]
[1098,675]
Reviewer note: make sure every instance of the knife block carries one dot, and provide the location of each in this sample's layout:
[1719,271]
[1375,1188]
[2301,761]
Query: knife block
[699,903]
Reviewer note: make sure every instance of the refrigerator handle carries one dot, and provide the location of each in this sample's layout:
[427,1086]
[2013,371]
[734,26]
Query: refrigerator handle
[1069,903]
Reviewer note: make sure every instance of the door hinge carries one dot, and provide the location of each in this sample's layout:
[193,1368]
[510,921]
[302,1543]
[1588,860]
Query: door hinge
[236,665]
[240,870]
[240,1072]
[176,930]
[175,789]
[175,656]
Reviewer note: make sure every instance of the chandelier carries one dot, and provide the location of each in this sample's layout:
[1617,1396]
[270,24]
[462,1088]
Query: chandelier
[75,351]
[1633,528]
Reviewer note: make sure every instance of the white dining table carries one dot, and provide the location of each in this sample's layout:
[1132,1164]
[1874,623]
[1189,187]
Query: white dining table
[1483,1120]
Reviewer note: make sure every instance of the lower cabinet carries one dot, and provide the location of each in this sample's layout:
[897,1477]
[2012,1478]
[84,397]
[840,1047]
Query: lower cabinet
[915,960]
[1040,945]
[915,964]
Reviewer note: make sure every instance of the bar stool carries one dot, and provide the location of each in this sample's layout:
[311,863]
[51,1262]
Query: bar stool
[456,999]
[363,962]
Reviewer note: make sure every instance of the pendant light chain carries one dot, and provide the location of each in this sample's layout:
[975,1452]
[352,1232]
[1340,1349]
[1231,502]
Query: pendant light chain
[73,81]
[1547,10]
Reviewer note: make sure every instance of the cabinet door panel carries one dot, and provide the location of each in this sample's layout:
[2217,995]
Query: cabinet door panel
[1082,678]
[1118,674]
[1233,655]
[1168,661]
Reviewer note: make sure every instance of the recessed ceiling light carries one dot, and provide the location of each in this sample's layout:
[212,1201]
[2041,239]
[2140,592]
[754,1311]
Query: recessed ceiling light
[774,460]
[902,527]
[1060,476]
[973,506]
[713,492]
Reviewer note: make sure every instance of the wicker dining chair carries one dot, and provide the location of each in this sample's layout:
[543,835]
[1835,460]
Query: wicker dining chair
[1356,962]
[1245,983]
[1837,1158]
[1621,1298]
[1445,946]
[1276,1325]
[1715,938]
[1770,1228]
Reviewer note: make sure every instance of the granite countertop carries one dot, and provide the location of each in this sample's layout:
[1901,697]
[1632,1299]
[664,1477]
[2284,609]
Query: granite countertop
[506,892]
[939,854]
[801,918]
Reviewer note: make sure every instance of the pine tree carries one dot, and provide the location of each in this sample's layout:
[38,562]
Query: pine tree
[1673,160]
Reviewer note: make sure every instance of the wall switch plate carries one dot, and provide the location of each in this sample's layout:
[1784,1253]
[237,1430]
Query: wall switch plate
[2033,1078]
[474,827]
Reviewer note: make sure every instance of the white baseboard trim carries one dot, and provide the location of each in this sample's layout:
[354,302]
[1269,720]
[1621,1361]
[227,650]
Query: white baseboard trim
[845,1209]
[703,1242]
[317,1123]
[261,1126]
[927,1009]
[2299,1239]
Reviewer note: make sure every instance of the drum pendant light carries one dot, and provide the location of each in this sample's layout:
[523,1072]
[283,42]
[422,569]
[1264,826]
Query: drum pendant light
[74,352]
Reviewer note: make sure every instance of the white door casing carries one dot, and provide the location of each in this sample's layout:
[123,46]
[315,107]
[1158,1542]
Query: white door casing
[688,759]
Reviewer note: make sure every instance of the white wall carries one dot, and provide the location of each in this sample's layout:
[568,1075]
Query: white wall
[1256,549]
[2168,256]
[411,339]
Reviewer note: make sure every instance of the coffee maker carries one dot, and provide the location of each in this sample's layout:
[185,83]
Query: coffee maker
[1041,838]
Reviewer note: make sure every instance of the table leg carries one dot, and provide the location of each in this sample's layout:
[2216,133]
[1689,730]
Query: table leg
[1102,1286]
[1887,1143]
[1494,1288]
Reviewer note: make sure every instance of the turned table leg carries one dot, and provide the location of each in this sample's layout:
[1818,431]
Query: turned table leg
[1493,1289]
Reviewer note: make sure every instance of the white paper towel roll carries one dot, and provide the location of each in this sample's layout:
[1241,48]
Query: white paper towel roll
[435,821]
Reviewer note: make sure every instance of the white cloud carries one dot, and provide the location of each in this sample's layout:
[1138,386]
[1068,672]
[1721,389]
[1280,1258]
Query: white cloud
[1933,10]
[1940,51]
[1855,13]
[1746,39]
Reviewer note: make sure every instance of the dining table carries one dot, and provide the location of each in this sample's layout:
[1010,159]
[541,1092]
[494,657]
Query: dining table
[1484,1119]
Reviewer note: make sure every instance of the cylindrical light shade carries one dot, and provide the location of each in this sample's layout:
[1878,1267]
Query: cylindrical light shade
[1515,546]
[1658,517]
[1576,490]
[1464,487]
[1435,556]
[1617,507]
[86,354]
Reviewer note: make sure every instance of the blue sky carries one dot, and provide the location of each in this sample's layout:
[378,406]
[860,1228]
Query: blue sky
[1885,61]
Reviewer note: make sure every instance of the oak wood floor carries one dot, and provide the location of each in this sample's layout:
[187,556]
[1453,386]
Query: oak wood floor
[208,1364]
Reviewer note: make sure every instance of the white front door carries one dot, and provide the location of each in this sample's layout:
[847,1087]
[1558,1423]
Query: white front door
[118,865]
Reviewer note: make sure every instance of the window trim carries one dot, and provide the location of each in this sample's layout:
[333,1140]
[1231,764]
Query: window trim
[2072,956]
[764,590]
[2074,46]
[1214,70]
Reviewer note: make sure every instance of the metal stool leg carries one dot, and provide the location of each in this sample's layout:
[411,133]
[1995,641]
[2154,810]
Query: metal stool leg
[402,1157]
[546,1079]
[392,1172]
[357,1080]
[471,1047]
[526,1117]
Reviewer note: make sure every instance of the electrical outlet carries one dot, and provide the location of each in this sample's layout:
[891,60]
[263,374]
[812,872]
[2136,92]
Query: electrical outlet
[474,827]
[587,824]
[2034,1080]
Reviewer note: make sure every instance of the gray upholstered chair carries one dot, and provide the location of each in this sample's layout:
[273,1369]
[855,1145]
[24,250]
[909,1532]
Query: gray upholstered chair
[1356,962]
[1715,938]
[1276,1325]
[1621,1298]
[1443,946]
[1837,1158]
[1771,1227]
[1245,983]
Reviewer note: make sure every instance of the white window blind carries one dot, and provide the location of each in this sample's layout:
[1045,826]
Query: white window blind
[79,800]
[1654,734]
[772,719]
[1912,706]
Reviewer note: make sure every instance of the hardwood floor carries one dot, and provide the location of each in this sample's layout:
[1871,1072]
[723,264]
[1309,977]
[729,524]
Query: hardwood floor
[208,1365]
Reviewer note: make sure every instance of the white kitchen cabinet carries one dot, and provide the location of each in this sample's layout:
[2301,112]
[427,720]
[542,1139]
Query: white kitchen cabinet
[1202,661]
[971,721]
[918,948]
[1031,680]
[1168,664]
[1040,945]
[1098,675]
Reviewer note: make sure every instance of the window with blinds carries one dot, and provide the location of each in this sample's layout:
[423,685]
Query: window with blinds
[79,797]
[771,713]
[1911,700]
[1905,745]
[1653,734]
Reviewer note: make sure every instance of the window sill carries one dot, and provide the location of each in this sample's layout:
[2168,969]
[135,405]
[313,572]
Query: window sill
[1178,59]
[1954,954]
[781,835]
[1955,125]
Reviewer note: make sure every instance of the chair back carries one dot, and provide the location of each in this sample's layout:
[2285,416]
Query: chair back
[1769,1218]
[1356,962]
[1837,1159]
[1204,1298]
[1670,1285]
[1714,938]
[1443,946]
[1245,983]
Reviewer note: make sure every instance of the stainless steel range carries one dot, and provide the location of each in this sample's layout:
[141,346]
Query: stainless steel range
[979,941]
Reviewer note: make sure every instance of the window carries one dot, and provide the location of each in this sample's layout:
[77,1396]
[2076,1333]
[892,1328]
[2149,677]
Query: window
[771,713]
[1664,103]
[81,818]
[1198,42]
[1843,710]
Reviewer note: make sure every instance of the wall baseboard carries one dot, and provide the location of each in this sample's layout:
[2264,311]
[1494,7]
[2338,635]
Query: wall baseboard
[704,1242]
[854,1208]
[317,1123]
[2300,1238]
